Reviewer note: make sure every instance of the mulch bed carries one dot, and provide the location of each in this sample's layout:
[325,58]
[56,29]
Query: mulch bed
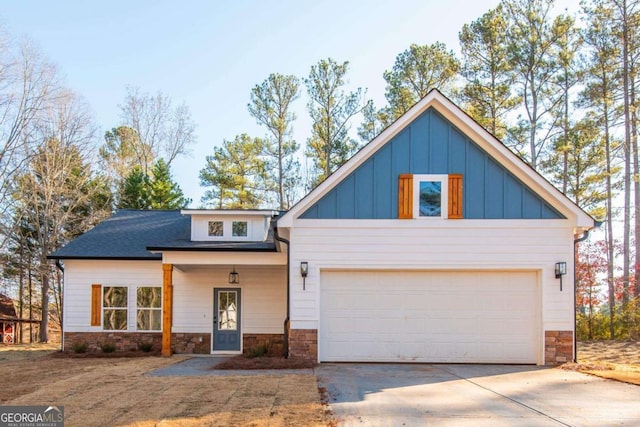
[243,362]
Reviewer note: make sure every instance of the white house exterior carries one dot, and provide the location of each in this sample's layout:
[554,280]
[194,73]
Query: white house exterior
[434,243]
[477,286]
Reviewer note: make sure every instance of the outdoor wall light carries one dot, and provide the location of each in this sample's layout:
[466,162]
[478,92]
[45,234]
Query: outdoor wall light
[234,276]
[561,270]
[304,271]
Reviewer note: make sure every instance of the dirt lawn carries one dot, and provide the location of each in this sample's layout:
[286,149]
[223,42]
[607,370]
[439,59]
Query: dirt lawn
[617,360]
[115,391]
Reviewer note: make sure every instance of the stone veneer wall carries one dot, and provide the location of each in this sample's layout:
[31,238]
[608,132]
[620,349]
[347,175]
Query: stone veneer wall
[124,341]
[181,343]
[190,343]
[274,341]
[558,347]
[303,344]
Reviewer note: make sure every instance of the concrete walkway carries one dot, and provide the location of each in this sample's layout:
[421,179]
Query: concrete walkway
[475,395]
[194,366]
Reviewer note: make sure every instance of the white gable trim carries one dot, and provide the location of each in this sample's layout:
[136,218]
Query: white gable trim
[476,133]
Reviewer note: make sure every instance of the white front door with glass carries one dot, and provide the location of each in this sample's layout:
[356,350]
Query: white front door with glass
[226,319]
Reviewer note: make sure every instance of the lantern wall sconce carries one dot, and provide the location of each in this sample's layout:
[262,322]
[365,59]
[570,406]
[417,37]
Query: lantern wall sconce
[561,270]
[304,271]
[234,277]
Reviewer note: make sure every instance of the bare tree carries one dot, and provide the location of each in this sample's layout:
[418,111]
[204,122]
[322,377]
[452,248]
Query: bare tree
[58,194]
[162,131]
[27,83]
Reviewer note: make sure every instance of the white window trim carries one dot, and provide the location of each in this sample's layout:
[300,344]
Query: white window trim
[215,237]
[227,230]
[444,196]
[131,308]
[135,323]
[128,328]
[231,236]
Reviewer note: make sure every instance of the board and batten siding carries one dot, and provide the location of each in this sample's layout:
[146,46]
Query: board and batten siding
[400,245]
[431,144]
[264,294]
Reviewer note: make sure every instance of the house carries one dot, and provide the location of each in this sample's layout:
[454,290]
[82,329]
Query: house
[8,320]
[434,243]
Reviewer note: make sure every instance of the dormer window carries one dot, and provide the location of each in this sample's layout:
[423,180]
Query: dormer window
[239,229]
[212,225]
[216,228]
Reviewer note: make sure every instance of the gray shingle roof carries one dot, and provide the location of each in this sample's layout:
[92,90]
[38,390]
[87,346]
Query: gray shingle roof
[126,235]
[131,234]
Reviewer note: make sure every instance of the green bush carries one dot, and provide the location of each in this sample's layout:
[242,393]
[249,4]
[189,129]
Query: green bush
[108,347]
[259,350]
[146,346]
[79,347]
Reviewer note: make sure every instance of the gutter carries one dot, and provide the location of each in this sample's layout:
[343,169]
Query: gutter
[61,268]
[582,238]
[277,237]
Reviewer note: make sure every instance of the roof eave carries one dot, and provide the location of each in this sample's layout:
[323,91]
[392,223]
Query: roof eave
[160,249]
[106,258]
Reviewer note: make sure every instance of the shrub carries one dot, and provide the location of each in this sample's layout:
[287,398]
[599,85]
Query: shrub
[259,350]
[146,346]
[79,347]
[108,347]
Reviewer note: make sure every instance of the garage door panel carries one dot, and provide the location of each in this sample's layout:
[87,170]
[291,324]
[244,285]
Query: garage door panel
[472,317]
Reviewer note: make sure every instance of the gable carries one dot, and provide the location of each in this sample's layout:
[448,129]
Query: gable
[431,145]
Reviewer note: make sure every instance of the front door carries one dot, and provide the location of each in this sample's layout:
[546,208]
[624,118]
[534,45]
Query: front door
[226,319]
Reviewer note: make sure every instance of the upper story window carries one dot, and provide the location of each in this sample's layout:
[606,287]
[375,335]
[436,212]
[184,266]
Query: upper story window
[216,228]
[239,229]
[211,225]
[430,195]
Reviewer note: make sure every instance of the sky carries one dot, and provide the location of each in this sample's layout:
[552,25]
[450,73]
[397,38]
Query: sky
[209,54]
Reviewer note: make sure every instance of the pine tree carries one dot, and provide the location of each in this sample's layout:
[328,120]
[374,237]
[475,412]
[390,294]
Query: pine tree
[164,192]
[331,110]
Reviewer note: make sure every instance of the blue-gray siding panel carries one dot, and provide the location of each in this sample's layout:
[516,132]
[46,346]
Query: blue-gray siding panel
[364,197]
[431,145]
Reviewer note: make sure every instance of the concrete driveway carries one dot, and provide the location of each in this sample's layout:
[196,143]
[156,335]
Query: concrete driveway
[474,395]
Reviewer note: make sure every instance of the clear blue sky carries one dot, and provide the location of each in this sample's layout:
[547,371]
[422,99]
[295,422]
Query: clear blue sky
[209,54]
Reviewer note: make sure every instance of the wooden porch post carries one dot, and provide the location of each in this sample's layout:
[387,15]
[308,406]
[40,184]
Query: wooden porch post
[167,308]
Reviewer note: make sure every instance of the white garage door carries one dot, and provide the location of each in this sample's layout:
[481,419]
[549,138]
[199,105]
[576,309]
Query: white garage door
[453,317]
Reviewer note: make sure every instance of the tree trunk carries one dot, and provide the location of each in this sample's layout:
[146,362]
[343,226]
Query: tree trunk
[627,158]
[44,323]
[609,219]
[30,302]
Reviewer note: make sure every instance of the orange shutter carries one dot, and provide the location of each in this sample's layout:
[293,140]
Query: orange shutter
[455,196]
[405,196]
[96,305]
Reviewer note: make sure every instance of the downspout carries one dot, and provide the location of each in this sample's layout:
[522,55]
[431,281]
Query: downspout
[286,320]
[61,268]
[582,238]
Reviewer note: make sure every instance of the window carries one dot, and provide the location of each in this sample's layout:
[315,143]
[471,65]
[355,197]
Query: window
[149,314]
[227,311]
[239,229]
[216,228]
[430,195]
[114,308]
